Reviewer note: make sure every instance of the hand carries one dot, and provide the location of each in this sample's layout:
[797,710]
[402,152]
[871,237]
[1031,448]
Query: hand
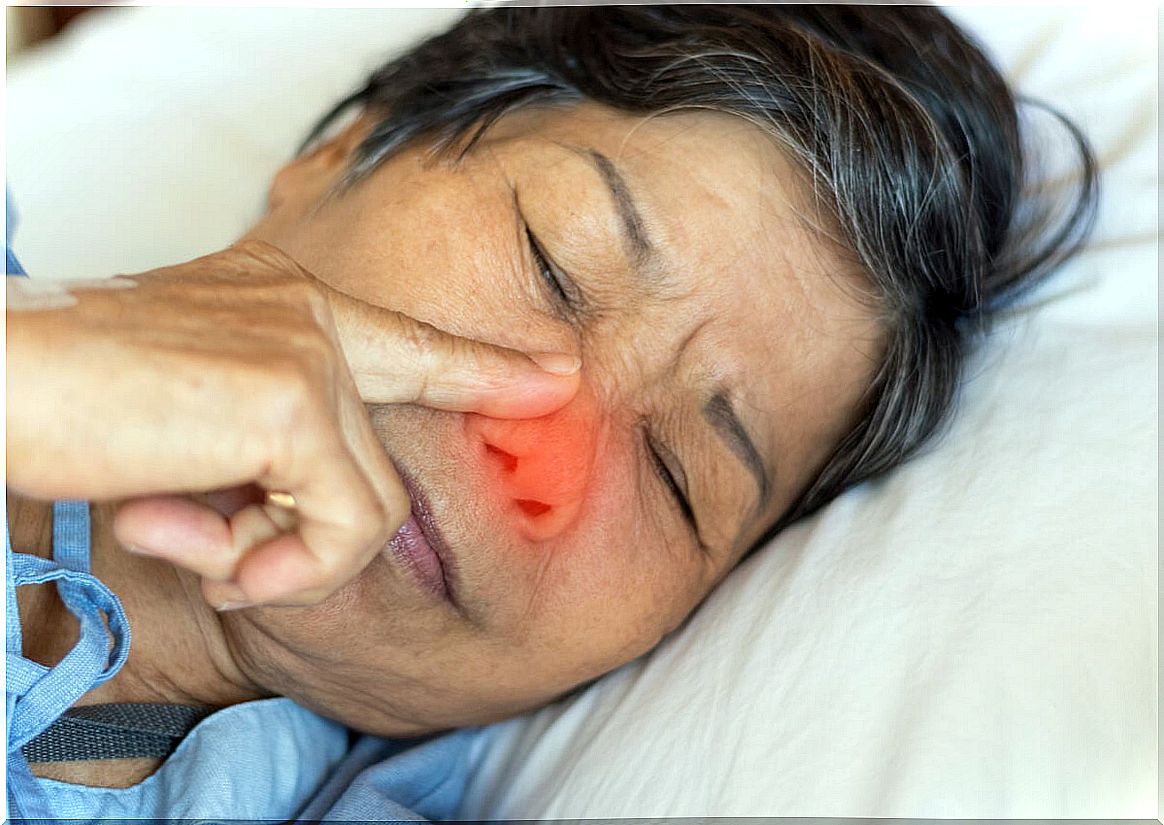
[239,371]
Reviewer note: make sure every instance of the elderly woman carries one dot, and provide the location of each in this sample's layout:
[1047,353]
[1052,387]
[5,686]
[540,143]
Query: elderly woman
[579,307]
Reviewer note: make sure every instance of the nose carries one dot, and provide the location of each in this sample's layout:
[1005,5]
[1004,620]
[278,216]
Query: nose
[540,467]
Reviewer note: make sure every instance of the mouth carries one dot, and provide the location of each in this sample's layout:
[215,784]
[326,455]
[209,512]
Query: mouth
[420,547]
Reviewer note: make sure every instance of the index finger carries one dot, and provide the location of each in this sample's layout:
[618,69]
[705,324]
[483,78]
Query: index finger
[396,359]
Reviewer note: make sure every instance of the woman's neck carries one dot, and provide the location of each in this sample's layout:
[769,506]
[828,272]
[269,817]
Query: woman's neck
[179,653]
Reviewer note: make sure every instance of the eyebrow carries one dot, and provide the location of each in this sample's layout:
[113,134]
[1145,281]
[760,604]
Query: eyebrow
[639,247]
[727,424]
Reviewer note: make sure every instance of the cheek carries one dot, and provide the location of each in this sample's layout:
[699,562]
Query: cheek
[627,554]
[623,580]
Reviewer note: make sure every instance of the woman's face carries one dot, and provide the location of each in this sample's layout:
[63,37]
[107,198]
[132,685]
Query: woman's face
[720,343]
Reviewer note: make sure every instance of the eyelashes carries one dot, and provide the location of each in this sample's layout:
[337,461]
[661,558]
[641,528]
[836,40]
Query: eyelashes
[563,290]
[568,297]
[668,478]
[544,268]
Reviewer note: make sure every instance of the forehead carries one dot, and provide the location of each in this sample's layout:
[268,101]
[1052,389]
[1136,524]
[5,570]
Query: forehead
[773,308]
[732,215]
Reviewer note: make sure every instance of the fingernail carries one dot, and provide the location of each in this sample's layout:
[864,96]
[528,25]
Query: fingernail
[559,363]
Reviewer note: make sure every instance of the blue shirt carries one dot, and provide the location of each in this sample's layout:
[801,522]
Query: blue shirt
[264,760]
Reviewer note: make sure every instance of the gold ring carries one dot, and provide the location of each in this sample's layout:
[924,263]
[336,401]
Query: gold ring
[284,500]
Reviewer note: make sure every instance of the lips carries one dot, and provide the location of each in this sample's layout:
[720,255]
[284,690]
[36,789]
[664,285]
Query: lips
[420,547]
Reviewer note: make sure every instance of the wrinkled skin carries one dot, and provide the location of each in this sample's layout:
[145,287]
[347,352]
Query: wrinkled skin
[572,554]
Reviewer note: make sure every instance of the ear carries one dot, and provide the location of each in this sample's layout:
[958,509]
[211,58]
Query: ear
[303,181]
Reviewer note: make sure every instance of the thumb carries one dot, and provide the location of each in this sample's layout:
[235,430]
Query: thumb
[397,359]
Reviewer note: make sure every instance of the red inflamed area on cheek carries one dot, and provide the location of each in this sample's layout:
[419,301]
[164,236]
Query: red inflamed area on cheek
[540,467]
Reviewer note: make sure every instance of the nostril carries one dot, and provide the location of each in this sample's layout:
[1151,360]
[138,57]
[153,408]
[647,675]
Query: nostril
[507,461]
[532,508]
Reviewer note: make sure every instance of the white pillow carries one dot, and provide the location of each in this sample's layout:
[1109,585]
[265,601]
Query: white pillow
[975,635]
[147,136]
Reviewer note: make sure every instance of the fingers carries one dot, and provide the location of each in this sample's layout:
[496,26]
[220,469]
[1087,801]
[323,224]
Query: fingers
[349,503]
[397,359]
[229,500]
[259,555]
[322,450]
[326,552]
[195,536]
[178,530]
[278,408]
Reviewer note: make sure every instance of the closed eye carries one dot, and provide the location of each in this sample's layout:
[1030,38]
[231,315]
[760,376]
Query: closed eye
[677,495]
[563,291]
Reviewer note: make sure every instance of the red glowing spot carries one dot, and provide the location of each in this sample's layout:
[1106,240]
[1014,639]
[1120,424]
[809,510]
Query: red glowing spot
[507,461]
[539,468]
[531,508]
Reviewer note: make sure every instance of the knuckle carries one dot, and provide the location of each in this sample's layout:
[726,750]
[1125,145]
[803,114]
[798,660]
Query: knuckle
[318,357]
[258,261]
[310,350]
[308,362]
[331,570]
[398,506]
[373,524]
[267,266]
[381,512]
[264,254]
[309,294]
[335,569]
[378,527]
[461,351]
[362,530]
[425,340]
[289,401]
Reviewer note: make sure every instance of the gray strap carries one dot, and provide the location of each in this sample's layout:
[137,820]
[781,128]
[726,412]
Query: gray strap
[114,731]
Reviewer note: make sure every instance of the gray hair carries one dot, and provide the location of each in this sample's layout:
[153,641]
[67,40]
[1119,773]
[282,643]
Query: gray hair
[909,135]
